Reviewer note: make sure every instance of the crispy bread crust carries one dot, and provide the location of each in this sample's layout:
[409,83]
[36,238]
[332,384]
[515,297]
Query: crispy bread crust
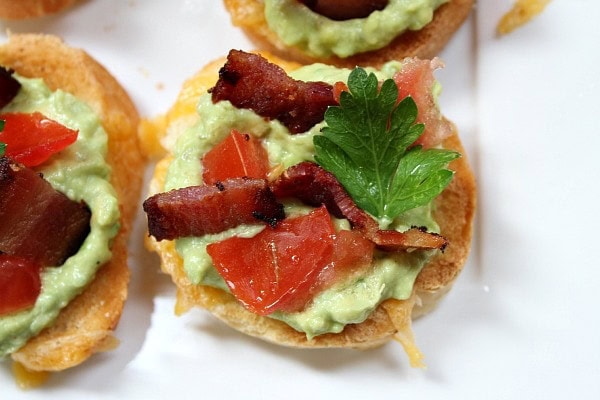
[86,324]
[424,43]
[22,9]
[454,212]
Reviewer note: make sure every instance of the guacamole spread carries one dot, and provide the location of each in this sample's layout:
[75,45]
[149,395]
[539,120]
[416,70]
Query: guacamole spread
[298,26]
[391,276]
[82,174]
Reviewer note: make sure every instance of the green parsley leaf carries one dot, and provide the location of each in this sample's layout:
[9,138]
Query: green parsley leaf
[367,142]
[2,145]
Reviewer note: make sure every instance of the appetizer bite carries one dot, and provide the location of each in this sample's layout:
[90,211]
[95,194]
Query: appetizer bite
[324,208]
[69,187]
[350,33]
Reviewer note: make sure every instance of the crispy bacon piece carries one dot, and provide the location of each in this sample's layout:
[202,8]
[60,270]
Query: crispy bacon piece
[36,221]
[198,210]
[9,86]
[249,81]
[314,186]
[341,10]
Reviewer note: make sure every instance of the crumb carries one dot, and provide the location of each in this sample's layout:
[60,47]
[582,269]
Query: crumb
[109,28]
[144,72]
[521,13]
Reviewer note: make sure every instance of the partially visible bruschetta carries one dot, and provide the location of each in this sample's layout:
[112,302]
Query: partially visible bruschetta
[304,31]
[81,300]
[24,9]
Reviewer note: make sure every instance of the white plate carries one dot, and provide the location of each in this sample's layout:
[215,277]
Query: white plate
[520,323]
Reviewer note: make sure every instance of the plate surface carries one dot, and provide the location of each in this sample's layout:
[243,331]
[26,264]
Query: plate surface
[522,320]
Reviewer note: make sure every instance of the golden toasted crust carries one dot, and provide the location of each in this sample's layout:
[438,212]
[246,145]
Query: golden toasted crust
[454,212]
[22,9]
[86,324]
[424,43]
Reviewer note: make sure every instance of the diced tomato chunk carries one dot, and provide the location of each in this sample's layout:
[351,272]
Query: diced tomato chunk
[276,269]
[239,155]
[282,268]
[338,88]
[416,79]
[352,251]
[32,138]
[20,283]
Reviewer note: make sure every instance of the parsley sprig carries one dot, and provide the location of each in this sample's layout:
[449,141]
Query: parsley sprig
[2,144]
[367,142]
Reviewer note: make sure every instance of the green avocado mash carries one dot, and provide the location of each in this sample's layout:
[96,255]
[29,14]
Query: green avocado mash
[392,275]
[298,26]
[81,173]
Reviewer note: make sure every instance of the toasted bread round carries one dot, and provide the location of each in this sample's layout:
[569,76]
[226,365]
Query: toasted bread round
[23,9]
[454,211]
[424,43]
[86,324]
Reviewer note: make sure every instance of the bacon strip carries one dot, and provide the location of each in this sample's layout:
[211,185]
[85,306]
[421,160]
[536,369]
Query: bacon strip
[249,81]
[9,86]
[36,221]
[314,186]
[341,10]
[198,210]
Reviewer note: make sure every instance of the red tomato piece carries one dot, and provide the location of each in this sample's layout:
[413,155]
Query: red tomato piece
[277,269]
[352,252]
[416,79]
[237,156]
[338,88]
[32,138]
[20,283]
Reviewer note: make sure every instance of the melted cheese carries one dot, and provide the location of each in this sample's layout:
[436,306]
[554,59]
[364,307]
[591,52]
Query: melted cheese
[28,379]
[400,313]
